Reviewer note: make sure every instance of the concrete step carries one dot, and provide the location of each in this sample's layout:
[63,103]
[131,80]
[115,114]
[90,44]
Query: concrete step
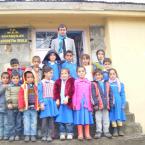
[126,140]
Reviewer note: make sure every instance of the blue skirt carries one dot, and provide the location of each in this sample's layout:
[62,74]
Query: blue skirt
[65,114]
[50,109]
[83,116]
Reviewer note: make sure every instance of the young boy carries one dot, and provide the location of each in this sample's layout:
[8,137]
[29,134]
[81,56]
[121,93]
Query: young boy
[100,57]
[102,100]
[107,65]
[14,116]
[5,78]
[14,63]
[52,60]
[28,103]
[68,64]
[36,60]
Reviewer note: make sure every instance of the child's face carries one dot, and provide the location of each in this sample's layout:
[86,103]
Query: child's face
[15,66]
[100,56]
[62,31]
[29,78]
[52,57]
[36,62]
[48,75]
[98,76]
[85,61]
[69,57]
[15,80]
[64,75]
[107,65]
[81,73]
[112,75]
[5,79]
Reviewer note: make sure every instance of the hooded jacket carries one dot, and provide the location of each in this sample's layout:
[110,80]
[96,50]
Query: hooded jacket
[23,94]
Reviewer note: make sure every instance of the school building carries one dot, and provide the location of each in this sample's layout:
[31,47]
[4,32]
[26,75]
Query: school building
[28,26]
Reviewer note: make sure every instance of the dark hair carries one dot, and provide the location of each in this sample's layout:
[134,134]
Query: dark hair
[107,60]
[66,70]
[97,71]
[62,26]
[5,73]
[46,69]
[28,72]
[14,61]
[99,51]
[36,57]
[68,51]
[81,67]
[15,73]
[114,71]
[87,56]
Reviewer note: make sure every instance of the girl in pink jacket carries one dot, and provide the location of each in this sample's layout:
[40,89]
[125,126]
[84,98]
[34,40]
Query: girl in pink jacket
[82,104]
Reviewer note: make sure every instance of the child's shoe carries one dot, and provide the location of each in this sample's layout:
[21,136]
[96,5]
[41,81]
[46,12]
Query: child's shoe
[11,138]
[120,131]
[44,138]
[17,138]
[115,132]
[98,135]
[108,135]
[33,138]
[5,138]
[69,137]
[62,136]
[27,138]
[49,138]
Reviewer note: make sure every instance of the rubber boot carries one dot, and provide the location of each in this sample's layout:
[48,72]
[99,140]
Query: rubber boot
[115,131]
[120,131]
[80,132]
[87,132]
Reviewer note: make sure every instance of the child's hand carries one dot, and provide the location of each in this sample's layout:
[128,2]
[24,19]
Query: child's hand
[42,106]
[10,106]
[57,102]
[65,100]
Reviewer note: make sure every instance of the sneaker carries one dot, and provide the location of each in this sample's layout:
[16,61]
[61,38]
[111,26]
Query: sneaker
[62,137]
[108,135]
[17,138]
[88,137]
[11,138]
[27,138]
[44,138]
[69,137]
[33,138]
[98,135]
[5,138]
[49,138]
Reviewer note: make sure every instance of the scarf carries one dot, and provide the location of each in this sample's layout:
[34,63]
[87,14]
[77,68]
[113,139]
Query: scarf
[118,83]
[60,38]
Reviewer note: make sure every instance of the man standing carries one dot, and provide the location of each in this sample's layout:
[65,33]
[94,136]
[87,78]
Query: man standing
[62,43]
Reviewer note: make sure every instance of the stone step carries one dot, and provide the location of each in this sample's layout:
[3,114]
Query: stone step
[126,140]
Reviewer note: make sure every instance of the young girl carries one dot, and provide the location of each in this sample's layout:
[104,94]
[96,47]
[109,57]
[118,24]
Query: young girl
[47,104]
[63,92]
[82,104]
[85,62]
[5,78]
[117,114]
[52,60]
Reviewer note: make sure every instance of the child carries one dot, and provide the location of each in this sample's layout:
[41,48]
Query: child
[3,115]
[28,103]
[14,63]
[102,101]
[107,65]
[85,62]
[52,60]
[47,104]
[82,104]
[100,56]
[68,64]
[36,60]
[117,114]
[63,92]
[14,116]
